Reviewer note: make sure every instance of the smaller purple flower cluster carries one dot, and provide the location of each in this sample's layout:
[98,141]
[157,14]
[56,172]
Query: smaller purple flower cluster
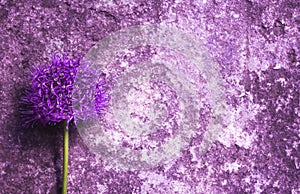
[101,97]
[49,98]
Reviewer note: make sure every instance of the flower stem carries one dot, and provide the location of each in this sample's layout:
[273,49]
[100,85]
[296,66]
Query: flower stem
[65,160]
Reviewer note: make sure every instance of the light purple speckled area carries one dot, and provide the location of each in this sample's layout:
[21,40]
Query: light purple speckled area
[256,45]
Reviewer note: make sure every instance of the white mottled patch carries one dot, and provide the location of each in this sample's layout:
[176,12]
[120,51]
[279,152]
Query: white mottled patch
[237,120]
[153,178]
[180,187]
[224,182]
[260,181]
[247,179]
[234,15]
[157,181]
[101,188]
[235,135]
[296,191]
[124,64]
[178,1]
[231,167]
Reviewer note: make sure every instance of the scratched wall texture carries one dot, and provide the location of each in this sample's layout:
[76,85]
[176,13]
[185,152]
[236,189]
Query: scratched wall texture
[255,43]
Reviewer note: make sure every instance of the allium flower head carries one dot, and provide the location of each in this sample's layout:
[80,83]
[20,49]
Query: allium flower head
[49,98]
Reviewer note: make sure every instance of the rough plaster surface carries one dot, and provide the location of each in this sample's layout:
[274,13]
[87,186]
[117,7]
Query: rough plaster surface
[255,43]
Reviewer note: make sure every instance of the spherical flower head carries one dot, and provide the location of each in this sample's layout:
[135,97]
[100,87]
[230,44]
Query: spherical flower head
[49,97]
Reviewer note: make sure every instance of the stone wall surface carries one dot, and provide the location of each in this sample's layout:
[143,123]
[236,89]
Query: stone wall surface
[256,45]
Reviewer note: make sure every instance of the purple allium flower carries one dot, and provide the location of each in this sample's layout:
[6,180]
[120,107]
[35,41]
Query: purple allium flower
[49,98]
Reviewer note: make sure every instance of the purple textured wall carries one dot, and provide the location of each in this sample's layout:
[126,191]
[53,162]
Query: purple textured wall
[255,43]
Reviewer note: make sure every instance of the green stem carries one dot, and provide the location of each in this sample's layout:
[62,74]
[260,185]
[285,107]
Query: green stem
[65,160]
